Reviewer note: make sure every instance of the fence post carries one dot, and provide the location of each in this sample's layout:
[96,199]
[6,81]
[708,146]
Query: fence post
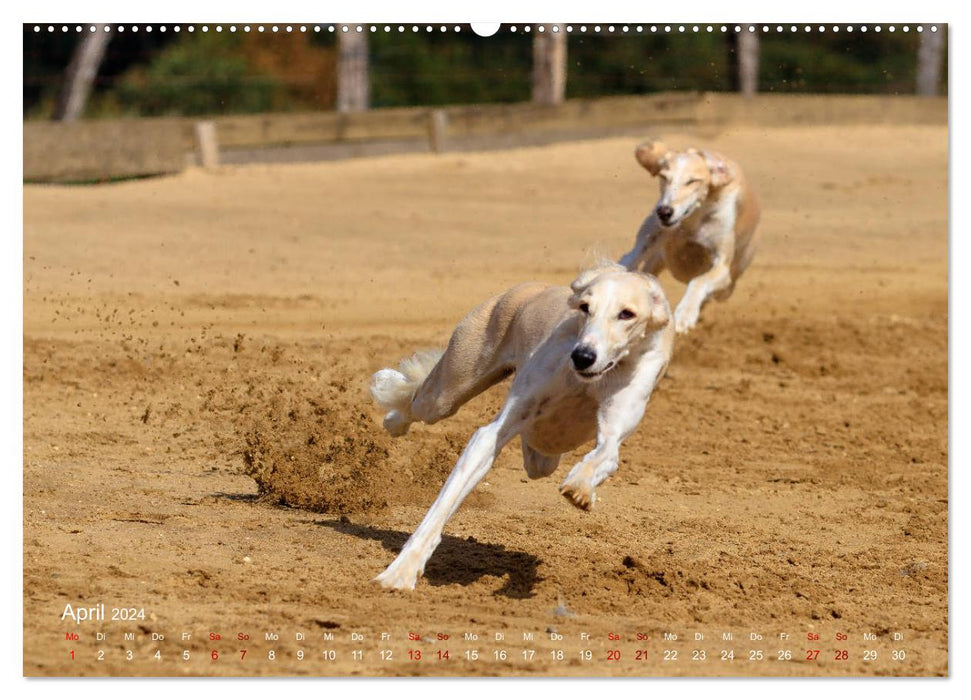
[437,130]
[207,144]
[353,81]
[930,56]
[549,64]
[747,57]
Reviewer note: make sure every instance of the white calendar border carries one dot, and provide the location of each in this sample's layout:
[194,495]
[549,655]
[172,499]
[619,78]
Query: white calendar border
[701,11]
[521,11]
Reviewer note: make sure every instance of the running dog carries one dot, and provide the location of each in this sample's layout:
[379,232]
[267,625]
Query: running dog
[703,228]
[586,359]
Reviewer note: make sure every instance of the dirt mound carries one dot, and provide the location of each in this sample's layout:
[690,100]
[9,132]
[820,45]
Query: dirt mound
[318,456]
[319,446]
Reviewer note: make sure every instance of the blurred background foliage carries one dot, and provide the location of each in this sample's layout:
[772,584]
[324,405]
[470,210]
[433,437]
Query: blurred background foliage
[151,73]
[812,63]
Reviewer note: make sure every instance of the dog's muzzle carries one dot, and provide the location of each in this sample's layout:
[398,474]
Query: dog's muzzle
[583,357]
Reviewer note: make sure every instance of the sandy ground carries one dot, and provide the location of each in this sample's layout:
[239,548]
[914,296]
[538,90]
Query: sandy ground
[789,478]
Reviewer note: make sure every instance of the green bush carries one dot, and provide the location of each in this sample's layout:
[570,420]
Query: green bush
[198,74]
[839,63]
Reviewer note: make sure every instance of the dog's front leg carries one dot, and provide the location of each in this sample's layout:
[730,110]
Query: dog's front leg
[596,466]
[646,253]
[716,279]
[617,418]
[718,235]
[474,463]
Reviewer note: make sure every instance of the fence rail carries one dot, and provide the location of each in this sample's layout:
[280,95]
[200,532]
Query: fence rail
[106,149]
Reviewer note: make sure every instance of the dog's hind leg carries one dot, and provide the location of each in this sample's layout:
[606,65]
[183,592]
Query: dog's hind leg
[454,381]
[429,387]
[743,258]
[537,464]
[477,357]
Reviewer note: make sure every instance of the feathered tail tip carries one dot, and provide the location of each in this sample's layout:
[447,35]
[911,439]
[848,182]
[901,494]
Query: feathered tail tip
[417,367]
[393,389]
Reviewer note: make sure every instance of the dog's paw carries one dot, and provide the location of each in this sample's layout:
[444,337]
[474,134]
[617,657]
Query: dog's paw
[395,577]
[396,423]
[685,321]
[579,495]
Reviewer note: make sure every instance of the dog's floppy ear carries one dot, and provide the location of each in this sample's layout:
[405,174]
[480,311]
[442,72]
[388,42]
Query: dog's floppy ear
[721,172]
[583,281]
[585,278]
[652,155]
[660,312]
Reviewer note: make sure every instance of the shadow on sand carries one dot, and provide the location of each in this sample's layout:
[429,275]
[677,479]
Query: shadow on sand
[458,560]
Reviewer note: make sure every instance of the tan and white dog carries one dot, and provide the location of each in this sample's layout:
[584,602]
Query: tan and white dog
[586,359]
[703,228]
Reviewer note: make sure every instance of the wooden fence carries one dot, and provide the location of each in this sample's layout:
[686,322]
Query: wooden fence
[106,149]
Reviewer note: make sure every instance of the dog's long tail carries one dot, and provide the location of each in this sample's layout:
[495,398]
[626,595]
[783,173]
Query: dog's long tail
[393,389]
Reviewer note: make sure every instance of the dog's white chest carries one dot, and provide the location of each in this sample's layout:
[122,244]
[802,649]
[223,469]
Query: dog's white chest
[561,424]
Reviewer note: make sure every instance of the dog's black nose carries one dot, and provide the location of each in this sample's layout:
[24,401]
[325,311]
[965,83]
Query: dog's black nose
[583,357]
[664,213]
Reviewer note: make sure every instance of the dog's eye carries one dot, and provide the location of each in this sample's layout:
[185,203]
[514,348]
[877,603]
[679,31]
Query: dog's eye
[692,181]
[626,315]
[584,307]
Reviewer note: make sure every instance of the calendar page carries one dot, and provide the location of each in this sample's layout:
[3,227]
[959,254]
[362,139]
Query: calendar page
[524,349]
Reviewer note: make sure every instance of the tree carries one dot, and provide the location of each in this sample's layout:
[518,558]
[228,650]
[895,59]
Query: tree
[930,58]
[80,75]
[747,61]
[353,84]
[549,65]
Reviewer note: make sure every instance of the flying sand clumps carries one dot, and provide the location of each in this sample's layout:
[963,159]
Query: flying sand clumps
[319,450]
[307,453]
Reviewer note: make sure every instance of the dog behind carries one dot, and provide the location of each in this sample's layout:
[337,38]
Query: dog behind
[703,227]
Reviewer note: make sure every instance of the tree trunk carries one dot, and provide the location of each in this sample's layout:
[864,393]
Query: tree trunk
[353,85]
[747,61]
[81,72]
[930,58]
[549,65]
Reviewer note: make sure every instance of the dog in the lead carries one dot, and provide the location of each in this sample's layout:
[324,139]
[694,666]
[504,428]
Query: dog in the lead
[585,358]
[703,228]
